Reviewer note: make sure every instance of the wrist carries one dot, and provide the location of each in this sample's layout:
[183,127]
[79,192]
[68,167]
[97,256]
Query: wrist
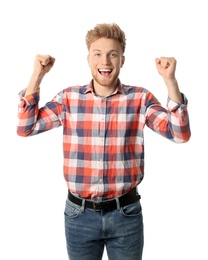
[170,81]
[34,83]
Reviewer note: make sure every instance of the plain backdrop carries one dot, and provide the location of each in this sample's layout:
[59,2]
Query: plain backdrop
[32,187]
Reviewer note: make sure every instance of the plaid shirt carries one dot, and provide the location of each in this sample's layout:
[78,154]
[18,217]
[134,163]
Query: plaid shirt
[103,138]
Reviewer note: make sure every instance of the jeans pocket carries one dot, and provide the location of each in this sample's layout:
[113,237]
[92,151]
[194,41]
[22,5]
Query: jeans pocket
[132,210]
[71,210]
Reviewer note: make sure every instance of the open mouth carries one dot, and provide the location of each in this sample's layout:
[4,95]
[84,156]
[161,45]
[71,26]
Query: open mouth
[105,72]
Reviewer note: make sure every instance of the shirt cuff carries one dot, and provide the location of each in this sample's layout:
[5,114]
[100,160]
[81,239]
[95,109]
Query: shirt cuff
[31,99]
[172,105]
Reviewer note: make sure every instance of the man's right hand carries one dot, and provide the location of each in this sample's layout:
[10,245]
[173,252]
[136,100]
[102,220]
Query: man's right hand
[42,65]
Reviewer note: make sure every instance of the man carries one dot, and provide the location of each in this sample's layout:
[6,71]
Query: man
[103,144]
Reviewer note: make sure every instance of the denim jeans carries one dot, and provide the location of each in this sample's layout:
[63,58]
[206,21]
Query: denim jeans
[88,231]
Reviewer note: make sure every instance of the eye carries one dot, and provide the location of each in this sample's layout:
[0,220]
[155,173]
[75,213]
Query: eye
[113,55]
[97,54]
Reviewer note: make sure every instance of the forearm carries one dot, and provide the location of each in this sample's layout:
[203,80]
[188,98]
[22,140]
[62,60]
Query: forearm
[34,84]
[173,90]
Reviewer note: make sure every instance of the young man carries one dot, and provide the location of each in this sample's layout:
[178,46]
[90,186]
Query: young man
[103,144]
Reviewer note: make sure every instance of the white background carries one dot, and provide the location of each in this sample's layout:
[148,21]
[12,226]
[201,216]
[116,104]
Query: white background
[32,187]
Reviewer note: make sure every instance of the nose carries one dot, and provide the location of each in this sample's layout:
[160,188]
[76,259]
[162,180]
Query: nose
[105,60]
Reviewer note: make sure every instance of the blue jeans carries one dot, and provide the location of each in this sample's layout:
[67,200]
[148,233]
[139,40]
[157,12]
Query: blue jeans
[88,231]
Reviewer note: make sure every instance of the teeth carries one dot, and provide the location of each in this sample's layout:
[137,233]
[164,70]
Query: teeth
[105,70]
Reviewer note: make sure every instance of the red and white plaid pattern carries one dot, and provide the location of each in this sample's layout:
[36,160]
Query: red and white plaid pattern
[103,139]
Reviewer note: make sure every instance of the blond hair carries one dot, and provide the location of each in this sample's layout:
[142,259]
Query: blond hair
[104,30]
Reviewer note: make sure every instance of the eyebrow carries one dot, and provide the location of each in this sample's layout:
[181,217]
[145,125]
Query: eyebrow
[101,50]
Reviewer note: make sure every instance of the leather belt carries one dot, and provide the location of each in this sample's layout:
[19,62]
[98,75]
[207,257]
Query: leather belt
[107,205]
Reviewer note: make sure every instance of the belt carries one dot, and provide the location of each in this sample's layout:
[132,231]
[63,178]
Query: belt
[128,198]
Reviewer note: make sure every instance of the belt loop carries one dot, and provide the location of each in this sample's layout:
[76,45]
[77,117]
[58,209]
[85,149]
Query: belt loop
[118,203]
[83,205]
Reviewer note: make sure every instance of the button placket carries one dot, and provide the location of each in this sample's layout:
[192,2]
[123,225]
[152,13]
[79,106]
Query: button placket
[102,141]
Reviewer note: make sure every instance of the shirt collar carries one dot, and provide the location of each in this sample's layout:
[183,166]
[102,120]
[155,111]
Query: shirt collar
[120,88]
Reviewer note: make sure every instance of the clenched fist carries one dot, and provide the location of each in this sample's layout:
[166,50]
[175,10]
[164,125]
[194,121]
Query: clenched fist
[166,67]
[43,64]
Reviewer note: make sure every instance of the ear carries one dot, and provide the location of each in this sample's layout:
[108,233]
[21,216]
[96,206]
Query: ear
[123,60]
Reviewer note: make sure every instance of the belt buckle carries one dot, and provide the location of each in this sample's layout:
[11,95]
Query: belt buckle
[98,206]
[103,205]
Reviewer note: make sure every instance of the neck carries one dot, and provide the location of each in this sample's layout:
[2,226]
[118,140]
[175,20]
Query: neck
[103,91]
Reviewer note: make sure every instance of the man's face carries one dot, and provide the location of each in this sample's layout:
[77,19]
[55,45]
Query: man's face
[105,60]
